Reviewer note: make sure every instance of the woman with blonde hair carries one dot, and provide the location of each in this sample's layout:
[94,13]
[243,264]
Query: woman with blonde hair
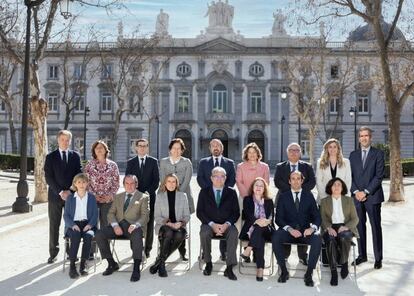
[332,164]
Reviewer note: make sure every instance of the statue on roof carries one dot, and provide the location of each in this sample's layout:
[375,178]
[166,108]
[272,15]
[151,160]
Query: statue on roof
[278,28]
[161,27]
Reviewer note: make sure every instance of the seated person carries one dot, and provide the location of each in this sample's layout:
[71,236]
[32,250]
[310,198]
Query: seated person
[128,217]
[339,225]
[81,216]
[171,216]
[298,219]
[258,210]
[218,210]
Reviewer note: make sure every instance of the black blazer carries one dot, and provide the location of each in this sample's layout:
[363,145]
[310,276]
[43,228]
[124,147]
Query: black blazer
[286,213]
[150,179]
[58,175]
[282,173]
[208,211]
[205,167]
[248,214]
[370,177]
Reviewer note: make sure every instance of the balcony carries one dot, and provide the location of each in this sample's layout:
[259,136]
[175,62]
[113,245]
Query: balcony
[256,118]
[180,117]
[219,118]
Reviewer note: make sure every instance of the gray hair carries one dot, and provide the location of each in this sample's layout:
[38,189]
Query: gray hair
[218,169]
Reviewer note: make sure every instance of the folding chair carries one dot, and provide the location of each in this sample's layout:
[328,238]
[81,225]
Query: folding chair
[128,262]
[353,246]
[244,265]
[200,255]
[66,249]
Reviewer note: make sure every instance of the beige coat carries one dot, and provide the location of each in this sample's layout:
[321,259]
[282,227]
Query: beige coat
[162,212]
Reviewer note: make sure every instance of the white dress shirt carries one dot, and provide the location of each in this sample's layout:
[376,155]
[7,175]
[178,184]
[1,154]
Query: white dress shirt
[337,212]
[81,210]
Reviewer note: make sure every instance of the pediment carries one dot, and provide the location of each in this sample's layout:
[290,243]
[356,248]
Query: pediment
[220,45]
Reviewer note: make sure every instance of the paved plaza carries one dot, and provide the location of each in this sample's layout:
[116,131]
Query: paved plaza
[24,251]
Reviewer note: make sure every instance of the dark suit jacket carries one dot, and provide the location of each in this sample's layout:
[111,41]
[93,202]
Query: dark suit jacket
[248,214]
[70,208]
[370,177]
[286,213]
[282,173]
[58,175]
[208,211]
[205,167]
[150,179]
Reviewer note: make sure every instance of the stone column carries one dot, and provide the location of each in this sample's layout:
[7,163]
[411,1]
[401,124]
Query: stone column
[201,88]
[238,117]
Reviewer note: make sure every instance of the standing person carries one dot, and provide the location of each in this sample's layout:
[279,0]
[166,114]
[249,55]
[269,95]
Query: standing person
[282,183]
[145,168]
[183,169]
[103,176]
[332,164]
[339,222]
[205,167]
[258,209]
[251,168]
[81,216]
[61,166]
[127,217]
[367,165]
[218,210]
[298,218]
[171,217]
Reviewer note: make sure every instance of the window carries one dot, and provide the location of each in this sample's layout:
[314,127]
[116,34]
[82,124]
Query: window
[183,101]
[78,144]
[363,104]
[256,102]
[334,105]
[52,100]
[256,70]
[106,71]
[53,72]
[219,99]
[79,71]
[363,71]
[183,70]
[2,106]
[305,145]
[334,71]
[106,102]
[79,101]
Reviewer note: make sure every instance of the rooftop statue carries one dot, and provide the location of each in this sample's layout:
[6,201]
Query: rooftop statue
[278,28]
[161,27]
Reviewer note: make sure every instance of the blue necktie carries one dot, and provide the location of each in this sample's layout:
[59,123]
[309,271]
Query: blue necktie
[218,197]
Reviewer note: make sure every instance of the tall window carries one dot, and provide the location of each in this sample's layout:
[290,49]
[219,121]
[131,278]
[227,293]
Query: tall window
[363,104]
[79,101]
[106,71]
[334,105]
[106,101]
[53,72]
[256,101]
[2,143]
[334,71]
[183,101]
[2,106]
[79,71]
[219,99]
[305,145]
[52,100]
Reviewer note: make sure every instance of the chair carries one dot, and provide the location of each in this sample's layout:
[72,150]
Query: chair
[66,249]
[353,245]
[244,265]
[115,254]
[200,255]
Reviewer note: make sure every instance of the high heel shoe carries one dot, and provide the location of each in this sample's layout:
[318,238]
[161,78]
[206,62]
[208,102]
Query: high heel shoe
[259,278]
[245,258]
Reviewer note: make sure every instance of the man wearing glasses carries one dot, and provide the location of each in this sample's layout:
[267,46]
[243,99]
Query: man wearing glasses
[281,179]
[145,168]
[218,210]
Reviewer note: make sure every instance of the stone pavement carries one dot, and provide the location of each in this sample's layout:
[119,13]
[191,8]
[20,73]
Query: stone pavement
[24,250]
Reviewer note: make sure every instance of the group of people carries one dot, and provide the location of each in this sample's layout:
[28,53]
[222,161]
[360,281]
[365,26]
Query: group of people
[348,190]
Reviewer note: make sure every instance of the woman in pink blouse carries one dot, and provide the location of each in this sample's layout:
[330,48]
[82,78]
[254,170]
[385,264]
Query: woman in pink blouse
[250,169]
[103,176]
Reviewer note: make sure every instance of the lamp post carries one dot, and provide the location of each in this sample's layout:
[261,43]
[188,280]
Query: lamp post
[282,123]
[284,94]
[85,114]
[353,112]
[21,205]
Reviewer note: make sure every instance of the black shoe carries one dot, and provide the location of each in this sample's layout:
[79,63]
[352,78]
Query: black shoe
[228,273]
[73,274]
[334,278]
[110,269]
[378,264]
[359,260]
[245,258]
[209,267]
[147,254]
[82,267]
[344,270]
[51,259]
[284,276]
[135,276]
[183,258]
[304,261]
[259,278]
[154,268]
[223,257]
[162,272]
[308,280]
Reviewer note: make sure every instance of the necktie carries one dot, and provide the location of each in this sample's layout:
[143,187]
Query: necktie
[293,167]
[364,157]
[126,203]
[64,158]
[141,167]
[297,201]
[216,163]
[218,197]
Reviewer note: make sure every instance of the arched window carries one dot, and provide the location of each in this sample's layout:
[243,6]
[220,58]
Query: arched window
[219,99]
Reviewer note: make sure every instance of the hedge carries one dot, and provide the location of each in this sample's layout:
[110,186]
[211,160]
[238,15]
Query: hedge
[12,162]
[407,166]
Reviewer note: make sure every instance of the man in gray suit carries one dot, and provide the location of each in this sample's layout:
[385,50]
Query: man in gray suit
[128,217]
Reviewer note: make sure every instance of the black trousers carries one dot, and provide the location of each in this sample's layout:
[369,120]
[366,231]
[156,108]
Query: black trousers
[55,209]
[282,236]
[338,247]
[75,238]
[149,238]
[106,233]
[257,241]
[169,240]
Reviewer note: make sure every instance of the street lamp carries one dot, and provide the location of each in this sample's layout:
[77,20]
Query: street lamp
[86,113]
[282,123]
[283,95]
[353,112]
[21,205]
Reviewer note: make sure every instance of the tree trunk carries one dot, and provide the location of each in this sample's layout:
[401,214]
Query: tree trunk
[118,116]
[12,128]
[67,117]
[396,174]
[38,120]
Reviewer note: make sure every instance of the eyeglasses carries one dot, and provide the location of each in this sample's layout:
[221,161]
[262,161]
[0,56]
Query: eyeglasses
[219,177]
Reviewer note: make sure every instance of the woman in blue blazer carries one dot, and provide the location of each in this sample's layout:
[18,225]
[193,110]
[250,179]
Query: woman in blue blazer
[81,215]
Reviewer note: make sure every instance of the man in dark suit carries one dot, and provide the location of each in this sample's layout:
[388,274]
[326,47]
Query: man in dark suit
[218,210]
[205,167]
[298,218]
[281,180]
[61,166]
[367,166]
[145,168]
